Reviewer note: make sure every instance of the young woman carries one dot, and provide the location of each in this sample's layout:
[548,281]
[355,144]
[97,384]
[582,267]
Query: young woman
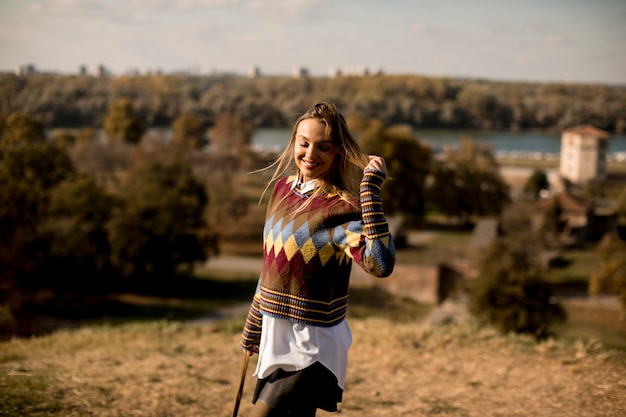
[319,220]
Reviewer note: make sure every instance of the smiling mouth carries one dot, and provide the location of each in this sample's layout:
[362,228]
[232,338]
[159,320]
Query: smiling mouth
[309,165]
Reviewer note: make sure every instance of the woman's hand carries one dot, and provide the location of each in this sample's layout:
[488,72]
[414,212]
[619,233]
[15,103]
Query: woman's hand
[377,163]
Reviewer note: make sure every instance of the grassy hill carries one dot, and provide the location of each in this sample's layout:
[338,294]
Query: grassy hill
[396,369]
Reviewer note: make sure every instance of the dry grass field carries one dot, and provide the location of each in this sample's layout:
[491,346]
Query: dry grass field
[162,369]
[402,363]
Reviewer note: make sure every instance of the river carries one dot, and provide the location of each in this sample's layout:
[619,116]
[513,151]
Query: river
[538,145]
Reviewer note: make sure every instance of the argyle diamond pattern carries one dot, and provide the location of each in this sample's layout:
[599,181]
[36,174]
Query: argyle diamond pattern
[283,239]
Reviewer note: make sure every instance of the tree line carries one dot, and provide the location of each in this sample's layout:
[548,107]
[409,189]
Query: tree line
[71,100]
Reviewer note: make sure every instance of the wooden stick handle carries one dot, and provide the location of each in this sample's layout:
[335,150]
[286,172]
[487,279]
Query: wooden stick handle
[244,371]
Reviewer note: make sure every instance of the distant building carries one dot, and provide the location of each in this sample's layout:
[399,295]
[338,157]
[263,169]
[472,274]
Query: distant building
[583,154]
[27,69]
[102,71]
[354,72]
[361,71]
[582,219]
[300,72]
[82,70]
[334,72]
[254,72]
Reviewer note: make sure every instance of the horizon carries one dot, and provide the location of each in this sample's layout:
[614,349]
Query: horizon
[192,72]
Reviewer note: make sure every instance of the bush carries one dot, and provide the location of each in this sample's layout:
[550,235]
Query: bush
[509,292]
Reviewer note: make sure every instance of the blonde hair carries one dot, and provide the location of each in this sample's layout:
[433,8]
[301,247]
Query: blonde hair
[346,173]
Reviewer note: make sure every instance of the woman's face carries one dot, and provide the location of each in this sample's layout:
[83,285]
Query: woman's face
[313,153]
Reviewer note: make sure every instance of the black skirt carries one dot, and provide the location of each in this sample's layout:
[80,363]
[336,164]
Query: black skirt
[311,388]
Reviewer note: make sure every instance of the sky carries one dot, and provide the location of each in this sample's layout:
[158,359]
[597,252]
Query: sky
[525,40]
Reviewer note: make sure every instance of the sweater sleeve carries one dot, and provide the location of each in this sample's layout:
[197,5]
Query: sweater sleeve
[375,251]
[251,334]
[374,223]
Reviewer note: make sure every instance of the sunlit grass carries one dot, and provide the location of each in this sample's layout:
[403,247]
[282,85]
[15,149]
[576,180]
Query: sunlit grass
[586,323]
[181,369]
[576,267]
[441,246]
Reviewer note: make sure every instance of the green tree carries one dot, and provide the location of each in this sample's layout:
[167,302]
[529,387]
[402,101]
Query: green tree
[122,123]
[509,292]
[160,225]
[75,224]
[37,167]
[408,162]
[466,183]
[21,249]
[27,174]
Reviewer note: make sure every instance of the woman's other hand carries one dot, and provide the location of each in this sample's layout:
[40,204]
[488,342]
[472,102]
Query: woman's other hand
[377,163]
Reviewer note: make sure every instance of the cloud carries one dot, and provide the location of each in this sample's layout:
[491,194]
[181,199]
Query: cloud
[419,27]
[96,8]
[200,4]
[70,7]
[291,9]
[555,39]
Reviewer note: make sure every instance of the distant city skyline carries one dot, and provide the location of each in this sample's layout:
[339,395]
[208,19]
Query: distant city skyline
[528,40]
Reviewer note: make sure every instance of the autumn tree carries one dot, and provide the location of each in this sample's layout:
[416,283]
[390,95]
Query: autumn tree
[466,182]
[36,168]
[481,106]
[230,134]
[509,292]
[160,224]
[105,162]
[21,129]
[75,227]
[272,101]
[27,175]
[189,131]
[122,122]
[610,277]
[229,139]
[86,135]
[621,203]
[408,163]
[553,222]
[620,211]
[537,182]
[63,138]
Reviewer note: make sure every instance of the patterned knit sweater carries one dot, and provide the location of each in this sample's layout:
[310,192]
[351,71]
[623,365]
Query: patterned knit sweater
[308,257]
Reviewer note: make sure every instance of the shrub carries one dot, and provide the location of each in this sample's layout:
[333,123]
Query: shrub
[510,293]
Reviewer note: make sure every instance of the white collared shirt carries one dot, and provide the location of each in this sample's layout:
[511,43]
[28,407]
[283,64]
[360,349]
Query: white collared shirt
[303,187]
[295,346]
